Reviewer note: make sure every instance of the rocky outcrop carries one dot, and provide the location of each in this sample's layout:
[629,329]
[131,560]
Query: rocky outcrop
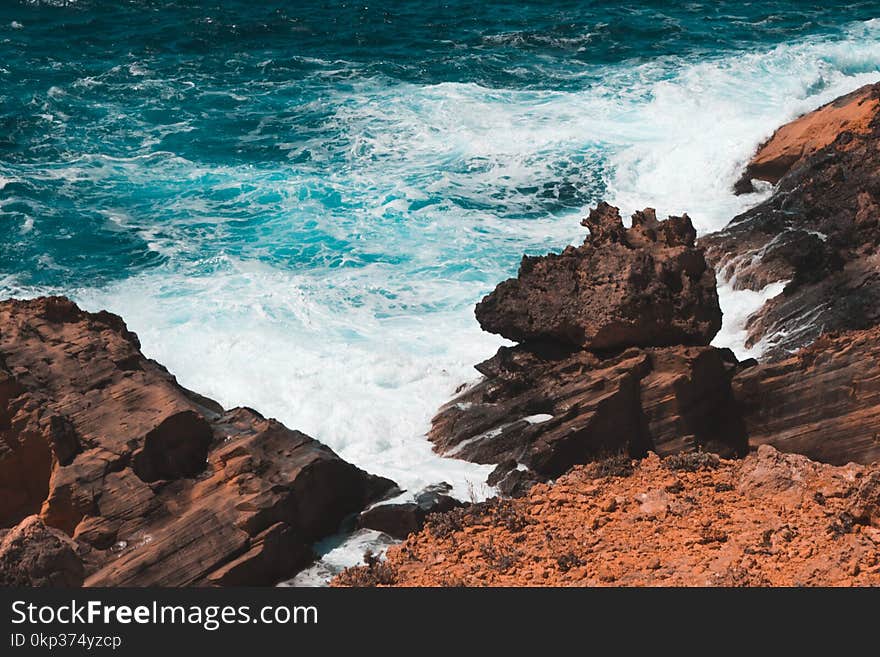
[549,411]
[819,231]
[32,554]
[646,286]
[157,485]
[801,138]
[770,519]
[596,374]
[823,402]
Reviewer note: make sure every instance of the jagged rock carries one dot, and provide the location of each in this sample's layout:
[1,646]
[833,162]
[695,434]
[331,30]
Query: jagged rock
[400,520]
[823,402]
[644,286]
[551,409]
[32,554]
[158,485]
[819,231]
[511,479]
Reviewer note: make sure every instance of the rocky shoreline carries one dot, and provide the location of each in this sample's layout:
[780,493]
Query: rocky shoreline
[113,474]
[614,372]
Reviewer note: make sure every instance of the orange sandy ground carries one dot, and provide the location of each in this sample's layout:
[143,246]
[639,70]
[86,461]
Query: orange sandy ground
[770,519]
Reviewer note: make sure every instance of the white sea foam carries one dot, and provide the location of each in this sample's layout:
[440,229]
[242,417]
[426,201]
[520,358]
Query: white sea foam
[737,306]
[340,552]
[261,337]
[700,127]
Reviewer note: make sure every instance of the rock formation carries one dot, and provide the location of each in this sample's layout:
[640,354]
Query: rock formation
[596,373]
[647,286]
[819,231]
[156,484]
[770,519]
[823,402]
[550,411]
[801,138]
[614,357]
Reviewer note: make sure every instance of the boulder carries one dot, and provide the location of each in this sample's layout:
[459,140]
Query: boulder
[645,286]
[158,485]
[32,554]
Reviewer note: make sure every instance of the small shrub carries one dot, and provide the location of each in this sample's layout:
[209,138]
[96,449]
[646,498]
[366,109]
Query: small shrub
[843,525]
[711,535]
[499,559]
[613,466]
[691,462]
[444,525]
[376,572]
[568,561]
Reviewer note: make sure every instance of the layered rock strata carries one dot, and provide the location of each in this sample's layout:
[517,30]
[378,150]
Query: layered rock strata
[154,484]
[818,232]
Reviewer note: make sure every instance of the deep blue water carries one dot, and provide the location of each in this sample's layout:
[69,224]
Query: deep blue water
[296,204]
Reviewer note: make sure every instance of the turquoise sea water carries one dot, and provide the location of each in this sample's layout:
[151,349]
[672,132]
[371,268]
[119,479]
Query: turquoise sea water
[296,204]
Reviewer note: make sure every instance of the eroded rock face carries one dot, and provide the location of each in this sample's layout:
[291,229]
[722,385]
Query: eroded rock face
[646,286]
[32,554]
[614,357]
[819,232]
[158,485]
[823,402]
[551,409]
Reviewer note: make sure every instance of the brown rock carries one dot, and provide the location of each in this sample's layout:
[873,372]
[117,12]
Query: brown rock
[810,133]
[32,554]
[644,286]
[819,231]
[158,485]
[550,410]
[823,402]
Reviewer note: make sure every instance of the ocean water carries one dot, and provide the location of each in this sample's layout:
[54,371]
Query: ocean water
[297,204]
